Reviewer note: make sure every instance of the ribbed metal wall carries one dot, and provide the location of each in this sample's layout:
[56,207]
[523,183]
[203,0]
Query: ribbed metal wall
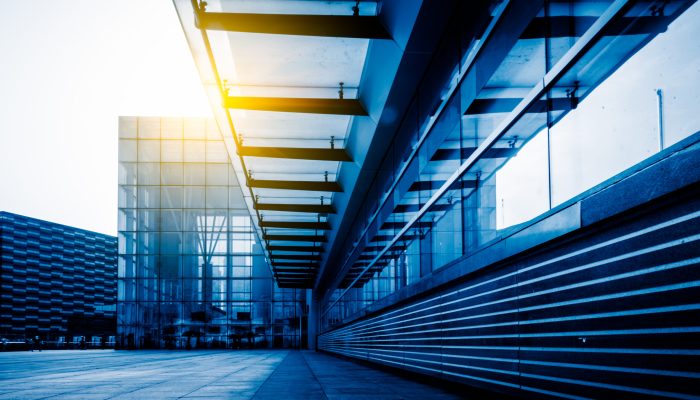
[55,280]
[610,312]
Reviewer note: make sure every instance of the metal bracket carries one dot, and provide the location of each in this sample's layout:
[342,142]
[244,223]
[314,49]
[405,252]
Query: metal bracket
[572,95]
[512,142]
[659,10]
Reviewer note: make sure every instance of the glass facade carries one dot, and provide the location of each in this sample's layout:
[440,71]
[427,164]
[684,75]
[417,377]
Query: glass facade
[192,273]
[57,283]
[574,93]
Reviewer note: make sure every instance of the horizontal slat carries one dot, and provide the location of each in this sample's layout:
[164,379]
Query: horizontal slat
[295,225]
[297,153]
[313,186]
[304,208]
[305,249]
[296,238]
[350,26]
[297,105]
[615,314]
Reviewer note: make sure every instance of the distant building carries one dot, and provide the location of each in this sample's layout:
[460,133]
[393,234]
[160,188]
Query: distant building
[191,269]
[56,282]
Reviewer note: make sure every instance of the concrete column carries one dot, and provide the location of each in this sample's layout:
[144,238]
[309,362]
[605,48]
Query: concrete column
[312,319]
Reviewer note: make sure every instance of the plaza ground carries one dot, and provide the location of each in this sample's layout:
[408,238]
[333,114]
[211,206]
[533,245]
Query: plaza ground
[255,374]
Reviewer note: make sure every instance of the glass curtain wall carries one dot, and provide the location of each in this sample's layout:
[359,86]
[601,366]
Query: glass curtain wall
[584,91]
[191,270]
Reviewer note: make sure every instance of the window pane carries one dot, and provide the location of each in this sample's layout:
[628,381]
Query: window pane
[194,150]
[149,128]
[171,150]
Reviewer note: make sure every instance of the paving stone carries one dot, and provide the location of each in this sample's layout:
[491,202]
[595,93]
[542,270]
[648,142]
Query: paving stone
[242,375]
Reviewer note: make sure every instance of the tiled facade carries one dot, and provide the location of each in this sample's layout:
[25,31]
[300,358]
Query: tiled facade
[57,282]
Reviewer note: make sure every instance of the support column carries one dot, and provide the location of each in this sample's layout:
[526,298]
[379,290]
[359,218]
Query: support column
[312,319]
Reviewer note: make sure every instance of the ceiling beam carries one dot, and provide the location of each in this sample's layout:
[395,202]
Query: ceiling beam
[304,249]
[313,186]
[564,26]
[508,104]
[456,154]
[377,248]
[290,278]
[349,26]
[297,105]
[295,264]
[301,257]
[306,284]
[296,153]
[434,185]
[572,26]
[295,225]
[296,238]
[400,225]
[306,208]
[303,285]
[283,269]
[293,273]
[386,238]
[407,208]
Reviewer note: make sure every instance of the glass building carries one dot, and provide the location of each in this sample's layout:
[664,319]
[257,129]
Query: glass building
[502,194]
[191,270]
[56,282]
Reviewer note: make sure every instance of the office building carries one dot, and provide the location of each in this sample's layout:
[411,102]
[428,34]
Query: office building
[191,271]
[56,282]
[502,194]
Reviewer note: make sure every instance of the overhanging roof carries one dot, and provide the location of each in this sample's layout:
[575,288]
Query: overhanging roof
[299,89]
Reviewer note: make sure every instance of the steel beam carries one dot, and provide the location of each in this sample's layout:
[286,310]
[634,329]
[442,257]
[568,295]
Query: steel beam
[284,269]
[399,225]
[434,185]
[295,278]
[304,208]
[297,105]
[407,208]
[562,26]
[303,249]
[298,272]
[301,257]
[295,225]
[372,248]
[295,264]
[386,238]
[313,186]
[296,238]
[296,153]
[349,26]
[508,104]
[456,154]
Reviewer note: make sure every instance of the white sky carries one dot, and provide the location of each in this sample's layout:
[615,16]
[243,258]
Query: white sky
[68,69]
